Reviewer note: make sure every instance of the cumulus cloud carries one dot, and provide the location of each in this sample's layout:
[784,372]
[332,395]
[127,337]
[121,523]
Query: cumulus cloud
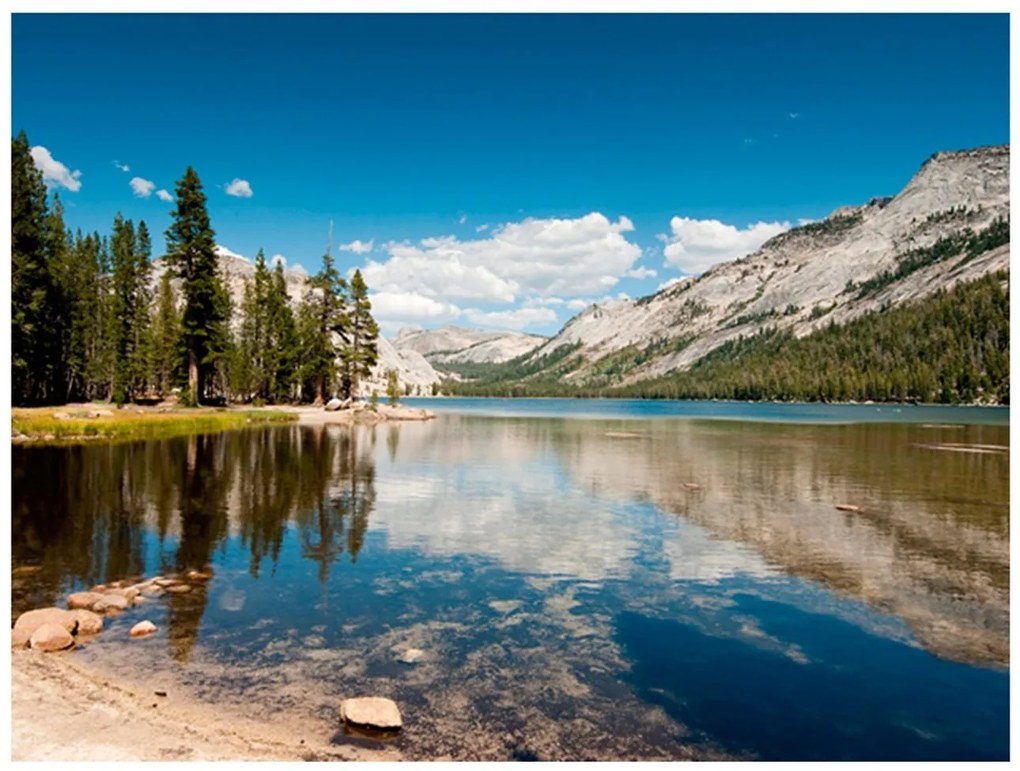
[516,319]
[358,247]
[641,272]
[163,195]
[409,306]
[239,188]
[142,187]
[482,228]
[55,174]
[122,166]
[462,219]
[694,246]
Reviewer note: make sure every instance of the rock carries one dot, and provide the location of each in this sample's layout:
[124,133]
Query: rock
[152,591]
[692,486]
[142,629]
[200,575]
[332,405]
[49,437]
[111,603]
[29,622]
[128,593]
[412,656]
[61,416]
[847,507]
[167,581]
[179,588]
[85,600]
[51,637]
[372,712]
[89,622]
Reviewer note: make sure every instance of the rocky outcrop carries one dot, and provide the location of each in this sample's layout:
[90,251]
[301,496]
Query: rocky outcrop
[456,345]
[51,637]
[807,277]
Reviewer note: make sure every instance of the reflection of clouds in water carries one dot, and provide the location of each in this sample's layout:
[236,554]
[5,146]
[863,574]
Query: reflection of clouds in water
[530,525]
[695,555]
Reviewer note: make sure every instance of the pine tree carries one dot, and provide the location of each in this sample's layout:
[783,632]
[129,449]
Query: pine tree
[283,355]
[57,248]
[191,251]
[392,386]
[323,319]
[165,338]
[360,353]
[33,307]
[141,327]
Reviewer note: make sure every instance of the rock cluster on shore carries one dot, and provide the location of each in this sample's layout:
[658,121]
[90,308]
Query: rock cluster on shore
[55,629]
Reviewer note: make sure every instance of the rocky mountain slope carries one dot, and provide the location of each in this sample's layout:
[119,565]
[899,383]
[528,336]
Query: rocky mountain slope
[412,368]
[456,345]
[859,259]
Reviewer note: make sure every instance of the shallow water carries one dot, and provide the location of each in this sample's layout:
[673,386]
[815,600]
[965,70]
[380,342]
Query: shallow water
[582,588]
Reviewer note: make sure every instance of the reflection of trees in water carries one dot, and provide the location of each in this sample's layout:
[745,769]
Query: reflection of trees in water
[334,508]
[87,514]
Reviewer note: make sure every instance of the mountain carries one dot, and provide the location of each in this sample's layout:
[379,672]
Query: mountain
[948,225]
[457,345]
[412,368]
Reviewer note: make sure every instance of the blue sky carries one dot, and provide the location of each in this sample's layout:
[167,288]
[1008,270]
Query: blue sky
[505,170]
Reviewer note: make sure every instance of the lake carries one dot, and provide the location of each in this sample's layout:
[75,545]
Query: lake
[586,579]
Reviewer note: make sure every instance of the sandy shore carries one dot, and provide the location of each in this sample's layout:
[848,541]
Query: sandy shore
[383,413]
[62,711]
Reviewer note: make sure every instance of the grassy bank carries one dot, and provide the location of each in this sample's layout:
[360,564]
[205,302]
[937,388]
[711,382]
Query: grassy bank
[110,423]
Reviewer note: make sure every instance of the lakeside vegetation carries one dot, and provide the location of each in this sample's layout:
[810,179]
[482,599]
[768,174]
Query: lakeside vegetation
[949,348]
[83,422]
[88,323]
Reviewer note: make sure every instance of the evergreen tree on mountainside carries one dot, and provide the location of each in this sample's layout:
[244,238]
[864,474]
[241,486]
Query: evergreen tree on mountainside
[323,319]
[359,354]
[191,251]
[131,302]
[35,310]
[165,338]
[283,354]
[57,248]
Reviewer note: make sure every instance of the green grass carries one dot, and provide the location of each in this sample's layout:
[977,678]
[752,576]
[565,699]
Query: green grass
[132,423]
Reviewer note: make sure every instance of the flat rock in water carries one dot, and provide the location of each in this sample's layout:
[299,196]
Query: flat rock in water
[111,603]
[332,405]
[84,600]
[88,622]
[179,588]
[847,507]
[372,712]
[51,637]
[31,620]
[142,629]
[128,593]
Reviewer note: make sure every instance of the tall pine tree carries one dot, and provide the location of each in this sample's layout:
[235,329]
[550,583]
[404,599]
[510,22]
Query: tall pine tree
[324,321]
[191,251]
[360,352]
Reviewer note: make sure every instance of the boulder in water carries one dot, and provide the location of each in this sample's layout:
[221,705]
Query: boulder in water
[51,637]
[142,629]
[332,405]
[372,712]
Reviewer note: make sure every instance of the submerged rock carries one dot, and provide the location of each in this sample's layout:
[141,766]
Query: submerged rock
[372,712]
[111,603]
[51,637]
[142,629]
[412,656]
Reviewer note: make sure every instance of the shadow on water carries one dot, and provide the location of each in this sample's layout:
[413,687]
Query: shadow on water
[856,697]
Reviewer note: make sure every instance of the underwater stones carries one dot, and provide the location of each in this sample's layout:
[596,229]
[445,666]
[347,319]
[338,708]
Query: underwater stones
[372,712]
[89,622]
[51,637]
[28,622]
[412,656]
[128,593]
[142,629]
[83,600]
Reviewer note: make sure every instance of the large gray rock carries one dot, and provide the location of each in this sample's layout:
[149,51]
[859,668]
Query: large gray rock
[30,621]
[51,637]
[332,405]
[372,712]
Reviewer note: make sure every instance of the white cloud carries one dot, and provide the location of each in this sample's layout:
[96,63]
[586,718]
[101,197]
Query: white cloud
[516,319]
[696,245]
[408,306]
[805,221]
[793,115]
[142,187]
[641,272]
[163,195]
[239,188]
[482,228]
[463,219]
[358,247]
[122,166]
[54,172]
[278,259]
[669,283]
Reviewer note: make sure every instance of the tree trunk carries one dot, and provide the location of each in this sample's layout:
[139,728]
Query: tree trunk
[192,378]
[320,390]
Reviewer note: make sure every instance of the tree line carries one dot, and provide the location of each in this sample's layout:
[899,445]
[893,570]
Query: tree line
[92,320]
[951,347]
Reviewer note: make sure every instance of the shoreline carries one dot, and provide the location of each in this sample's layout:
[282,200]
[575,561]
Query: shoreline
[63,710]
